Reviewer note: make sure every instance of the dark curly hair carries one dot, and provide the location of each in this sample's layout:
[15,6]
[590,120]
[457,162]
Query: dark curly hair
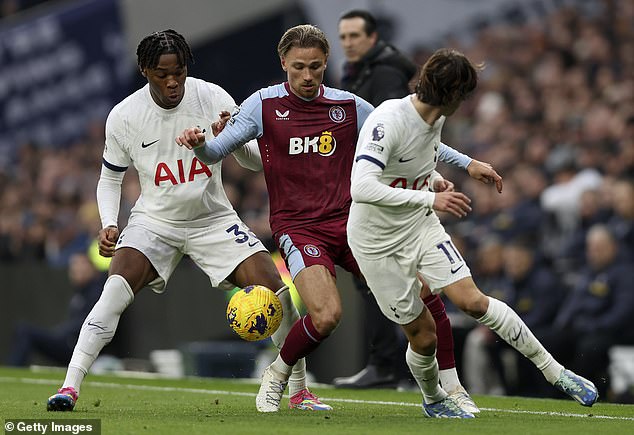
[167,41]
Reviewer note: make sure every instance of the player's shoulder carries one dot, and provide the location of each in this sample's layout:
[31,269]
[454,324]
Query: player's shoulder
[273,91]
[204,89]
[393,109]
[130,106]
[336,94]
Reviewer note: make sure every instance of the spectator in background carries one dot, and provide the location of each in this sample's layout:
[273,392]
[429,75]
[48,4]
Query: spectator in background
[57,343]
[374,70]
[598,313]
[622,221]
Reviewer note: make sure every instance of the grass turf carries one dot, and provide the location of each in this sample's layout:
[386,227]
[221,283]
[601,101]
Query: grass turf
[219,406]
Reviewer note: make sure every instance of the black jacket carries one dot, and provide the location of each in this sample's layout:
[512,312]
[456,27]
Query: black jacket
[382,74]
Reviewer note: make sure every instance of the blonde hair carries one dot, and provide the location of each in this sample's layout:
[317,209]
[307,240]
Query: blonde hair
[303,36]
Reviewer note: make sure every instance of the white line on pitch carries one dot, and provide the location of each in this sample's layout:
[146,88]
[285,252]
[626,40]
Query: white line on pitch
[329,399]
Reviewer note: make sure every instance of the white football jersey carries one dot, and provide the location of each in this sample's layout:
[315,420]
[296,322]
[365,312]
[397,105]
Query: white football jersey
[176,188]
[398,140]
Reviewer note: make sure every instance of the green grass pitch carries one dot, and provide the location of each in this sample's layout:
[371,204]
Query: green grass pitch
[132,405]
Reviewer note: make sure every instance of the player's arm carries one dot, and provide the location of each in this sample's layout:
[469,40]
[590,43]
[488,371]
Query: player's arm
[108,199]
[115,163]
[363,111]
[248,156]
[366,187]
[243,126]
[478,170]
[438,183]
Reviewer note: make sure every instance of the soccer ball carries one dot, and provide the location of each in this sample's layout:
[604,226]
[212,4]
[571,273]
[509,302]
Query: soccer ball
[254,313]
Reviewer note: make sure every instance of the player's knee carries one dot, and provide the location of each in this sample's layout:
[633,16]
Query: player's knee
[476,305]
[325,321]
[423,342]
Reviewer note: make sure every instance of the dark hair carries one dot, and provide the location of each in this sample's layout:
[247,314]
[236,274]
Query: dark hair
[167,41]
[447,76]
[303,36]
[369,20]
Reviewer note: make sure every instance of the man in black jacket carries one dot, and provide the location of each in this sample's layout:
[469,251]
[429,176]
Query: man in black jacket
[377,71]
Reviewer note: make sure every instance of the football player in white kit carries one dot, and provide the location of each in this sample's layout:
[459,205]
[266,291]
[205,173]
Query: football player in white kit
[182,209]
[395,234]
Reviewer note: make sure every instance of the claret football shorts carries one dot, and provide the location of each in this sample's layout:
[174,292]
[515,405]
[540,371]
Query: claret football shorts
[324,244]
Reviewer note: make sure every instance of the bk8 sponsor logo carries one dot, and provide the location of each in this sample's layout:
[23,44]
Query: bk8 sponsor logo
[323,145]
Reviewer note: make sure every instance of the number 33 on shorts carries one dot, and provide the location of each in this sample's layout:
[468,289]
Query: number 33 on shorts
[243,235]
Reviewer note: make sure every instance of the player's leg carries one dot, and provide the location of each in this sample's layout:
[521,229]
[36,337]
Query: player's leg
[445,350]
[317,287]
[397,293]
[129,271]
[260,269]
[511,328]
[384,365]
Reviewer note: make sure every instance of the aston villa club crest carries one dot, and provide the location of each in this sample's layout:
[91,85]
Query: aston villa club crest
[337,114]
[312,251]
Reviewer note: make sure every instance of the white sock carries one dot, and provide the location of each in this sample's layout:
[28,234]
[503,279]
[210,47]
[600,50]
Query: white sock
[98,329]
[297,380]
[425,371]
[449,379]
[512,329]
[289,317]
[281,368]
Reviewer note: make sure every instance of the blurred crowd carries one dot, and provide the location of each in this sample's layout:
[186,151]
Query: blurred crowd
[554,114]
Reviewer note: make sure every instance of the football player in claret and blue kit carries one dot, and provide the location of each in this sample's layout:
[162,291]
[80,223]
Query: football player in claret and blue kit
[182,209]
[306,134]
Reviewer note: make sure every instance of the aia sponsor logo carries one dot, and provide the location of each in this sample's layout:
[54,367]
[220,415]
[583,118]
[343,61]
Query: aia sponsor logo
[312,251]
[337,114]
[282,116]
[324,145]
[179,175]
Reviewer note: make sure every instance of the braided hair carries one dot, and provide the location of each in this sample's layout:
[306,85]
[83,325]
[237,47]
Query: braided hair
[167,41]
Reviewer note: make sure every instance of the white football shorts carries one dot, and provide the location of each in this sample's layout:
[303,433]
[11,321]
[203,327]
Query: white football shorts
[217,248]
[393,278]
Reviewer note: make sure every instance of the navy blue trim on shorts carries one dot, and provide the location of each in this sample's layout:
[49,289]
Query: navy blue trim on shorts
[370,159]
[114,167]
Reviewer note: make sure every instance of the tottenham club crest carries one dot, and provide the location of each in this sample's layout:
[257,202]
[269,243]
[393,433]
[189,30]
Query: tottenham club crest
[337,114]
[378,132]
[312,251]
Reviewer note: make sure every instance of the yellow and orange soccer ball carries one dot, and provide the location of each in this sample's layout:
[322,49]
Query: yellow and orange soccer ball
[254,313]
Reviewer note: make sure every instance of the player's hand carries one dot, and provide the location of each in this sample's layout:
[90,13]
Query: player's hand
[485,173]
[442,185]
[455,203]
[107,239]
[218,126]
[191,138]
